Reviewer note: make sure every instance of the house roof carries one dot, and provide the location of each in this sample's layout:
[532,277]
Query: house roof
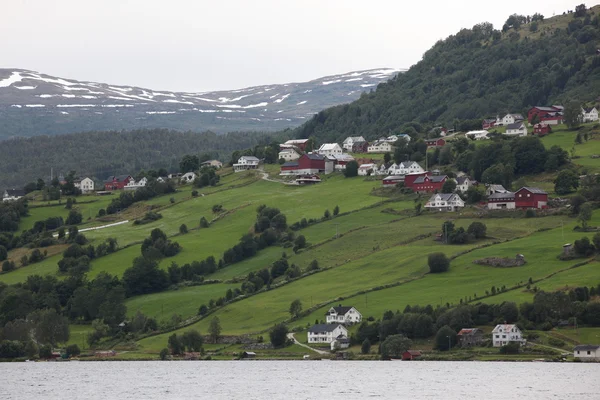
[328,146]
[469,331]
[516,125]
[413,352]
[544,108]
[408,164]
[355,138]
[589,109]
[290,164]
[433,179]
[296,141]
[532,190]
[394,178]
[343,157]
[368,166]
[288,150]
[340,310]
[314,156]
[497,188]
[15,192]
[249,158]
[516,116]
[489,120]
[586,347]
[462,179]
[323,328]
[502,196]
[504,327]
[380,142]
[443,196]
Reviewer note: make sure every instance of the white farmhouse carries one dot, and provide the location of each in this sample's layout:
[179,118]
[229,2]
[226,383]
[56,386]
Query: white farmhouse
[504,334]
[445,202]
[245,163]
[587,352]
[350,140]
[380,146]
[326,333]
[133,185]
[516,129]
[589,114]
[477,135]
[343,315]
[330,149]
[463,183]
[404,136]
[364,169]
[86,185]
[510,119]
[13,194]
[405,168]
[340,343]
[289,154]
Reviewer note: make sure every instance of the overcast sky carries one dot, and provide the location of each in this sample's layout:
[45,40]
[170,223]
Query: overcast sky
[198,45]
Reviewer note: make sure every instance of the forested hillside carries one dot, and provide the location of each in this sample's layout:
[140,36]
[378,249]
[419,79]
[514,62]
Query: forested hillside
[100,154]
[476,73]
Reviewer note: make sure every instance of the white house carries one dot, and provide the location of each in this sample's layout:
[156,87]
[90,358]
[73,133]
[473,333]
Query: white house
[392,138]
[213,163]
[13,194]
[343,315]
[188,177]
[463,183]
[477,135]
[133,185]
[329,149]
[587,352]
[404,136]
[245,163]
[501,201]
[326,333]
[364,169]
[289,154]
[504,334]
[380,146]
[405,168]
[445,202]
[509,119]
[340,343]
[589,114]
[350,140]
[516,129]
[86,185]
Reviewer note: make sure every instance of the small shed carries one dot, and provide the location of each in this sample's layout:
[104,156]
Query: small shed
[248,355]
[411,355]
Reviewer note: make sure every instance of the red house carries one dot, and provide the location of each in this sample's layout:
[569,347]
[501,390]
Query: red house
[427,184]
[488,123]
[117,182]
[433,143]
[541,129]
[552,115]
[409,180]
[411,355]
[530,197]
[300,144]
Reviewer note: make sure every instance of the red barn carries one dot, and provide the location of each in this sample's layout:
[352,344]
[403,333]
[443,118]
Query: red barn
[117,182]
[428,184]
[409,179]
[541,129]
[411,355]
[552,115]
[289,168]
[433,143]
[298,143]
[307,164]
[530,197]
[488,123]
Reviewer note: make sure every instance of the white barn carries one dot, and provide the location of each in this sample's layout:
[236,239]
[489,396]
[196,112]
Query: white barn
[86,185]
[587,352]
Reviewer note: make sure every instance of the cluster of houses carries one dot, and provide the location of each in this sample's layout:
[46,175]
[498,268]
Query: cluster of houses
[334,331]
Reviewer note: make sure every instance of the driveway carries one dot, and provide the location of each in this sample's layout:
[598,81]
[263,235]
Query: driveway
[322,352]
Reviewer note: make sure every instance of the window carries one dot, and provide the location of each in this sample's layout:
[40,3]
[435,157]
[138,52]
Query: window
[588,353]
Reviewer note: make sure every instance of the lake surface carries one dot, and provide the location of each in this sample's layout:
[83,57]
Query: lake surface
[299,380]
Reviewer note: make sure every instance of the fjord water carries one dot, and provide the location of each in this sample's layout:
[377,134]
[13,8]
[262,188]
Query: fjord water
[298,380]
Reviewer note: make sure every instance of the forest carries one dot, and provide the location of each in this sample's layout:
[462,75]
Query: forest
[476,73]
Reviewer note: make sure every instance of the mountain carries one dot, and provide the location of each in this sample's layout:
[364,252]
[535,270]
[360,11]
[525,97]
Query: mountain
[33,104]
[477,73]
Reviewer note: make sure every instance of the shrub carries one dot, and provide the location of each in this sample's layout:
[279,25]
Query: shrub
[194,193]
[511,348]
[183,229]
[72,350]
[438,262]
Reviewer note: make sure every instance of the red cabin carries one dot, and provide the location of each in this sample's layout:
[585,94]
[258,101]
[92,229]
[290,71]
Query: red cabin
[530,197]
[541,129]
[411,355]
[433,143]
[488,123]
[116,182]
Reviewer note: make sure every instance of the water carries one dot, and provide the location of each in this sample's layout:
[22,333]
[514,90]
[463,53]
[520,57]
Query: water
[274,380]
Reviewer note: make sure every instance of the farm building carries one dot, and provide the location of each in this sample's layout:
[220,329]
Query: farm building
[300,144]
[289,154]
[433,143]
[530,197]
[463,183]
[13,194]
[501,201]
[541,129]
[477,135]
[589,114]
[427,184]
[133,185]
[364,169]
[326,333]
[307,164]
[445,202]
[380,146]
[392,180]
[117,182]
[245,163]
[405,168]
[360,147]
[488,123]
[330,149]
[587,352]
[409,355]
[516,129]
[504,334]
[343,315]
[509,119]
[470,337]
[552,115]
[212,163]
[86,185]
[350,141]
[340,342]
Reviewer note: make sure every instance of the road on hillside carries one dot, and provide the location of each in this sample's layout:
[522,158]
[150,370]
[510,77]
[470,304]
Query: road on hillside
[291,336]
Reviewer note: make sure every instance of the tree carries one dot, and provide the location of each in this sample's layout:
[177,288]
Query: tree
[299,243]
[295,308]
[580,11]
[3,253]
[189,163]
[394,345]
[74,218]
[449,186]
[387,157]
[49,327]
[572,114]
[72,350]
[203,223]
[175,344]
[351,169]
[183,229]
[314,265]
[438,262]
[326,214]
[585,215]
[477,230]
[336,210]
[365,348]
[144,277]
[445,338]
[278,335]
[567,181]
[509,312]
[214,329]
[192,340]
[164,353]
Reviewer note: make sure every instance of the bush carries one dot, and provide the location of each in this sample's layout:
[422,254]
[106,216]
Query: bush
[446,336]
[3,253]
[530,213]
[183,229]
[438,262]
[203,223]
[511,348]
[72,350]
[164,353]
[194,193]
[556,342]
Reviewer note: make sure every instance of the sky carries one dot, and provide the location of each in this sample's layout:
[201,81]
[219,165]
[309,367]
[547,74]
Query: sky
[199,45]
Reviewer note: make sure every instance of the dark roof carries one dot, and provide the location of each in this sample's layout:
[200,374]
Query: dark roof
[434,179]
[542,108]
[516,125]
[461,179]
[314,156]
[502,196]
[340,310]
[585,347]
[532,190]
[488,120]
[589,109]
[290,164]
[323,328]
[15,192]
[443,196]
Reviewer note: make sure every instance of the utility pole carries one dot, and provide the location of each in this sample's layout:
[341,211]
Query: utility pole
[336,230]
